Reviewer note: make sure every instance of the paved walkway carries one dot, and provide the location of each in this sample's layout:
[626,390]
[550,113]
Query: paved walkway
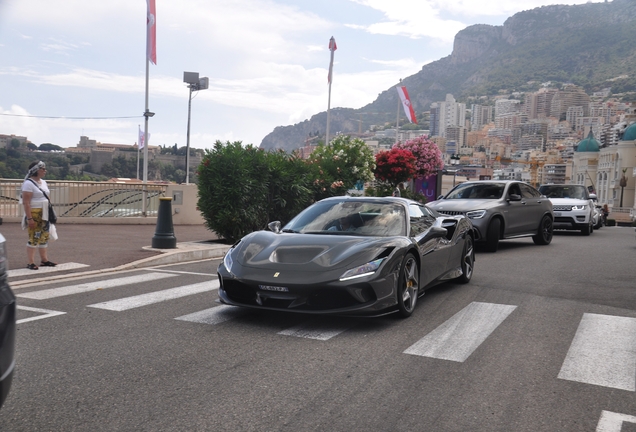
[83,248]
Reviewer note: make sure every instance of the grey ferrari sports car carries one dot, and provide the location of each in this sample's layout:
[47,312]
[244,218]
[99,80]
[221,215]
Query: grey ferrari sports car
[349,256]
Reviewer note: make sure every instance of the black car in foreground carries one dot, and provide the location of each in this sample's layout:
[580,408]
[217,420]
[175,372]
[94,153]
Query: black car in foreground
[349,256]
[7,326]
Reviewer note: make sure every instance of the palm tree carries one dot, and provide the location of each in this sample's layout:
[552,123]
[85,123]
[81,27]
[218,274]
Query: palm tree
[623,183]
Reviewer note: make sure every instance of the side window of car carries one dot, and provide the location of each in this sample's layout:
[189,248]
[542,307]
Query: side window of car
[514,189]
[421,219]
[528,191]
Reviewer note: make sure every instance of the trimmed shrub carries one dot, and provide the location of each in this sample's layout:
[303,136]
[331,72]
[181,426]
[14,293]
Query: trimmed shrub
[611,222]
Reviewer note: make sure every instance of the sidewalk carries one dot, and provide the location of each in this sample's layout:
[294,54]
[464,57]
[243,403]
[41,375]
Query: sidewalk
[89,249]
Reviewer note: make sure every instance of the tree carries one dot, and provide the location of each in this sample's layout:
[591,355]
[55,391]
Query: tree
[338,166]
[395,166]
[49,147]
[427,155]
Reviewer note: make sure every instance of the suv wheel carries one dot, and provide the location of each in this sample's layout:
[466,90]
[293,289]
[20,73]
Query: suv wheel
[586,230]
[544,233]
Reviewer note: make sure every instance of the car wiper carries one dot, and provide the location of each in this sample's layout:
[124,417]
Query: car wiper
[287,230]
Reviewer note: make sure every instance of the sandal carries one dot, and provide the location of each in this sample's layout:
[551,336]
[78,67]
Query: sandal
[32,266]
[48,264]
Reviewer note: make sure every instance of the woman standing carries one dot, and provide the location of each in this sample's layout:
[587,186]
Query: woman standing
[36,214]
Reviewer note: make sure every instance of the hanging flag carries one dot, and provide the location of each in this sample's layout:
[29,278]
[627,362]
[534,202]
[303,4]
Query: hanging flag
[141,138]
[406,103]
[332,48]
[151,32]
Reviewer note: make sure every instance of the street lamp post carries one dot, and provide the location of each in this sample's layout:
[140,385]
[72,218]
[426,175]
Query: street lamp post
[454,160]
[194,84]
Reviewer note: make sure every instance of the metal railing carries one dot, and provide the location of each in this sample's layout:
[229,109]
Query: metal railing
[87,199]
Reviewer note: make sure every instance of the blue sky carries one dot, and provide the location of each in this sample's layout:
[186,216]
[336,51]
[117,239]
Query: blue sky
[81,64]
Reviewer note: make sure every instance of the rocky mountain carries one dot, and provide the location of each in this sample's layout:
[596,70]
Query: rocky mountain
[592,45]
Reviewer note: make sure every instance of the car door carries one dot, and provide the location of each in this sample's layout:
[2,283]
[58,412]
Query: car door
[433,249]
[534,205]
[515,211]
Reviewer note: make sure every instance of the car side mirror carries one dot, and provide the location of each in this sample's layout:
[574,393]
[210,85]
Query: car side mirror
[274,226]
[514,197]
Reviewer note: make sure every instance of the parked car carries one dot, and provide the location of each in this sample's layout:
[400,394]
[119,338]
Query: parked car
[349,256]
[500,209]
[572,205]
[598,217]
[7,326]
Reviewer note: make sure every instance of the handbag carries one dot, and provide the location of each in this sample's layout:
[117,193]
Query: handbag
[52,215]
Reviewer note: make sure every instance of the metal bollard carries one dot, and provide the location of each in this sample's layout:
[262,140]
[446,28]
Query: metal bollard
[164,232]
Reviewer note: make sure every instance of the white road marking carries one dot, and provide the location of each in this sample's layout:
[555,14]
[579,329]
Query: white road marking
[459,336]
[182,272]
[613,422]
[47,314]
[92,286]
[59,267]
[215,315]
[156,297]
[316,330]
[603,352]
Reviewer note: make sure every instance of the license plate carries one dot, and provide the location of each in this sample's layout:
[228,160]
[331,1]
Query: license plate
[557,214]
[273,288]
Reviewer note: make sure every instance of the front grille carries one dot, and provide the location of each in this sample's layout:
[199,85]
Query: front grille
[562,208]
[452,213]
[311,299]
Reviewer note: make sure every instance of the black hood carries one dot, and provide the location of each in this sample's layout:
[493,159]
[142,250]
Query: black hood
[315,252]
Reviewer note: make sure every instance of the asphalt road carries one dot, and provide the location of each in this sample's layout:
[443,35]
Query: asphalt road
[120,361]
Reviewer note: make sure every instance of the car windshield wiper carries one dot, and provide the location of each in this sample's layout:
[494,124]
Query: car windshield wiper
[287,230]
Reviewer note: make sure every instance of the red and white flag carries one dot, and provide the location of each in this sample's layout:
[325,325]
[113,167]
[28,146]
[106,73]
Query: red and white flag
[151,32]
[332,48]
[141,138]
[406,103]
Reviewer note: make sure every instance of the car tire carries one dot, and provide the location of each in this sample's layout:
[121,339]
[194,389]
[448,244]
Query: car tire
[468,261]
[408,286]
[492,235]
[586,230]
[545,232]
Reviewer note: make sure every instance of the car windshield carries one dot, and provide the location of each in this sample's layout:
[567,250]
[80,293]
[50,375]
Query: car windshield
[563,191]
[350,217]
[477,191]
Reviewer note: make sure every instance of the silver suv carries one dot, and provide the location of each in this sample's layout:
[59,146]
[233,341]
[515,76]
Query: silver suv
[500,209]
[573,207]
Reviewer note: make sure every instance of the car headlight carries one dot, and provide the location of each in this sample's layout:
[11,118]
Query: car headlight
[476,214]
[363,270]
[227,260]
[579,207]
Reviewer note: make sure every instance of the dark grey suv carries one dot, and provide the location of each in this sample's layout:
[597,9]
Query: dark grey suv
[500,209]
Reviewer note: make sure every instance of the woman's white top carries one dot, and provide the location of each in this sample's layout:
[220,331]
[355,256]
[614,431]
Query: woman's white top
[38,200]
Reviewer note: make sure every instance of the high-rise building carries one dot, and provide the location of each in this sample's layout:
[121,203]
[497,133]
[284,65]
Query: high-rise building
[445,114]
[569,96]
[480,115]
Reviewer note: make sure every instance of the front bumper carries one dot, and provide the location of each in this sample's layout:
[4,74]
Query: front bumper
[365,296]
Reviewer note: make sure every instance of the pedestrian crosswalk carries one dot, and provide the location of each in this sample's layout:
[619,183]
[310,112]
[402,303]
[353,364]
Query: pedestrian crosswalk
[602,351]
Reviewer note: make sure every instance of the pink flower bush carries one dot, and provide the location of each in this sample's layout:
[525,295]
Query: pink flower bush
[428,157]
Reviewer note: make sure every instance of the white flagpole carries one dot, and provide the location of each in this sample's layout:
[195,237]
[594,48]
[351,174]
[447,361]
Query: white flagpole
[332,49]
[146,115]
[397,120]
[138,144]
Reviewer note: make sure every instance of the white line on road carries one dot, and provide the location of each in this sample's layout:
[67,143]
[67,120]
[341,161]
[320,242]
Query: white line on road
[47,314]
[316,330]
[92,286]
[613,422]
[459,336]
[603,352]
[156,297]
[215,315]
